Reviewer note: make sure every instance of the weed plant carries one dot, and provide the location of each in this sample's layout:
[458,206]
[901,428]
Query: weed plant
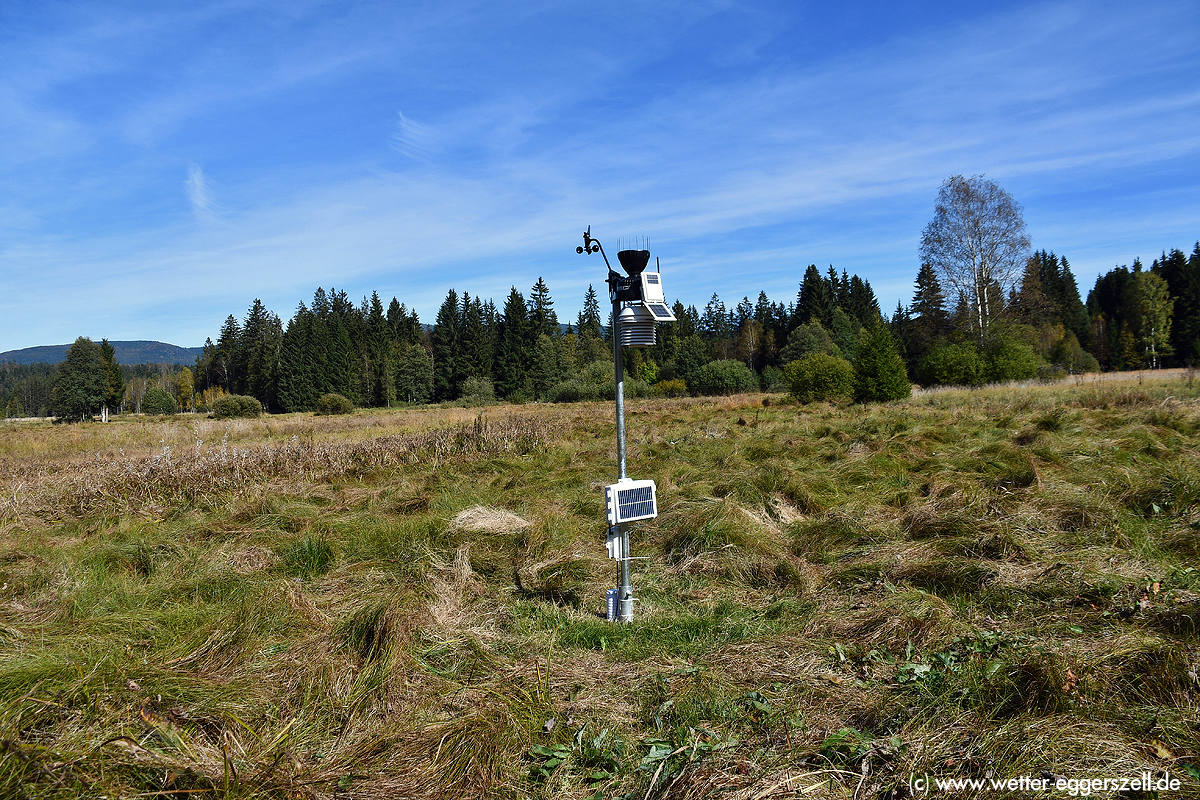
[408,603]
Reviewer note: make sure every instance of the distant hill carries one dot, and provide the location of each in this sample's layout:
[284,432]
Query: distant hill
[127,353]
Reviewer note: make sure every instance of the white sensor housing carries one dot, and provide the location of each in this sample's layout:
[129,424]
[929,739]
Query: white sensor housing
[654,299]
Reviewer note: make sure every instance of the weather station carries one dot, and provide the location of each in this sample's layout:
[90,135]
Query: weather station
[638,303]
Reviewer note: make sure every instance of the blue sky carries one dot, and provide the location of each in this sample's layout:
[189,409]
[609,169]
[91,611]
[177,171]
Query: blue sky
[164,164]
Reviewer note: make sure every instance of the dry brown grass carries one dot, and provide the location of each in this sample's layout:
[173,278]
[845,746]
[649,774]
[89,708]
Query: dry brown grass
[406,604]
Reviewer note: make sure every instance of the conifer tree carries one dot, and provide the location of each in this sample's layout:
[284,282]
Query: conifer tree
[1182,275]
[225,363]
[815,299]
[295,390]
[80,385]
[475,352]
[541,312]
[512,351]
[258,350]
[879,373]
[861,302]
[114,380]
[380,354]
[446,372]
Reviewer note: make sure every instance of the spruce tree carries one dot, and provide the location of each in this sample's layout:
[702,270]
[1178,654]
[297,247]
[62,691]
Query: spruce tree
[380,355]
[294,389]
[512,350]
[446,372]
[80,384]
[815,300]
[861,302]
[541,312]
[114,380]
[879,373]
[1182,275]
[226,362]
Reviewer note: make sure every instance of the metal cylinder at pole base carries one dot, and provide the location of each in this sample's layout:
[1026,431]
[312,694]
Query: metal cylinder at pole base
[625,602]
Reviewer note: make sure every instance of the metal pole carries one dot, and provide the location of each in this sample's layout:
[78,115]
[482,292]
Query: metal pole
[625,590]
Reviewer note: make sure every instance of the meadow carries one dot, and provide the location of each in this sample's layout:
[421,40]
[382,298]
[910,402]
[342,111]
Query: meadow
[408,603]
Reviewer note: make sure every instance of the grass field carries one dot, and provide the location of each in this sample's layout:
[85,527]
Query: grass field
[406,604]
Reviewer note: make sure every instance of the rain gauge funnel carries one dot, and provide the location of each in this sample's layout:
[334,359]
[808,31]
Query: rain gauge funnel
[634,261]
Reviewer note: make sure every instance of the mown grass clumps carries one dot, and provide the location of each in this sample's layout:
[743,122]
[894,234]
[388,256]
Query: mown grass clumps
[402,603]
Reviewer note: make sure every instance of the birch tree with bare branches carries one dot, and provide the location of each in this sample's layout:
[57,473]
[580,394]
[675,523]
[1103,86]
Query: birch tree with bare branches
[976,243]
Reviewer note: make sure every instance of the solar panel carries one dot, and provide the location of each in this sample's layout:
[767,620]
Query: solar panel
[651,277]
[661,312]
[629,500]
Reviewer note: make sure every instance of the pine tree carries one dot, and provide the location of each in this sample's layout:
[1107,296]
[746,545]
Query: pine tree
[446,372]
[541,312]
[861,302]
[512,350]
[815,299]
[258,350]
[80,385]
[226,362]
[1182,275]
[295,389]
[114,380]
[879,373]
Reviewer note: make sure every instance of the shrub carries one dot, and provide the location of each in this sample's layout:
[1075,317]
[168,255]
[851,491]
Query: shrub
[952,365]
[595,382]
[820,376]
[1009,359]
[671,388]
[334,404]
[158,401]
[236,405]
[879,372]
[723,377]
[480,391]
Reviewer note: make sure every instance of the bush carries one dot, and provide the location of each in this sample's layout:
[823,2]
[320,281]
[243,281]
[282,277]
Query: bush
[671,388]
[595,382]
[1010,359]
[723,377]
[334,404]
[952,365]
[820,376]
[481,391]
[158,401]
[236,405]
[879,372]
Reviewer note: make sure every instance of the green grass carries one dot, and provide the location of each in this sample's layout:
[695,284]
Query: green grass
[1001,581]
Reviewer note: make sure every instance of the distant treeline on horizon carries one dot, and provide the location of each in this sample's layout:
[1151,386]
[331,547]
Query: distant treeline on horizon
[520,352]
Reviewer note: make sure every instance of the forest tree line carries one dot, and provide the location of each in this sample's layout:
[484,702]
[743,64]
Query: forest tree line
[1038,326]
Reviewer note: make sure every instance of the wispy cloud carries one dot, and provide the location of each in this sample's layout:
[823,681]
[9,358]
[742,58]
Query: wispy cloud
[198,195]
[413,139]
[742,169]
